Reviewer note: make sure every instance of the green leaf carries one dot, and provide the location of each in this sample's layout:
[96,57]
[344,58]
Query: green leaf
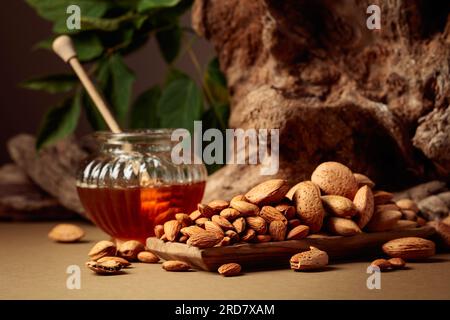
[106,24]
[216,117]
[55,10]
[169,41]
[122,79]
[59,122]
[88,46]
[180,104]
[93,116]
[174,74]
[144,110]
[216,83]
[53,84]
[144,5]
[115,80]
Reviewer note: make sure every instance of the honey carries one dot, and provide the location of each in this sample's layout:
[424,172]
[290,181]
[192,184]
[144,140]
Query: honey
[132,212]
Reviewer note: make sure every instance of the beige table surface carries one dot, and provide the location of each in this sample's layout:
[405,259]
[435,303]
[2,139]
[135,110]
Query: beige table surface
[33,267]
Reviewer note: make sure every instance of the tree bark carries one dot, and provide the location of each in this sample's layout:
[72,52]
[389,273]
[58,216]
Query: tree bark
[375,100]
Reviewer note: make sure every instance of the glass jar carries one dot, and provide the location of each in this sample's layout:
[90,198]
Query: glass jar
[130,185]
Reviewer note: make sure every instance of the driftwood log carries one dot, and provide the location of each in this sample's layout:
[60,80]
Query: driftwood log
[21,199]
[376,100]
[53,169]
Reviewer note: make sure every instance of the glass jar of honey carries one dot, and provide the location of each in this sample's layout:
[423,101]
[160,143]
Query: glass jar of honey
[131,184]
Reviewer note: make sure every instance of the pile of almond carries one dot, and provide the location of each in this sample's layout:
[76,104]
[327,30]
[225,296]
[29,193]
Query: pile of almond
[336,201]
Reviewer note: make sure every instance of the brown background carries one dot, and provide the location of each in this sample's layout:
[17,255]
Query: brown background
[21,110]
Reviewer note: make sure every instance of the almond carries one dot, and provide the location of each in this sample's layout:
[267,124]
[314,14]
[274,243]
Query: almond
[224,242]
[201,221]
[233,235]
[66,233]
[125,263]
[410,248]
[363,180]
[277,230]
[287,210]
[297,233]
[383,221]
[364,205]
[263,238]
[147,257]
[183,219]
[382,197]
[257,223]
[342,226]
[245,208]
[239,225]
[102,249]
[382,264]
[309,205]
[290,193]
[239,197]
[205,210]
[309,260]
[409,215]
[205,239]
[270,214]
[191,230]
[195,215]
[130,249]
[397,263]
[222,222]
[333,178]
[293,223]
[183,239]
[339,206]
[175,265]
[230,214]
[404,224]
[229,269]
[248,235]
[159,231]
[407,204]
[218,205]
[267,192]
[211,226]
[171,229]
[385,207]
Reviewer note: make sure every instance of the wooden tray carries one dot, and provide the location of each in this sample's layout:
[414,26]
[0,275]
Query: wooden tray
[277,254]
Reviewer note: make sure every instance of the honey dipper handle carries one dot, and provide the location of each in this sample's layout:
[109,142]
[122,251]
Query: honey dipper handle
[63,47]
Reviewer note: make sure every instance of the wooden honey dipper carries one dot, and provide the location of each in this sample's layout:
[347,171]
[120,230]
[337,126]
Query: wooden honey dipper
[64,48]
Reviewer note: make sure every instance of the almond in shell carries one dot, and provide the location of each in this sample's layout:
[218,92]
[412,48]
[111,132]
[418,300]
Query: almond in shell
[102,249]
[410,248]
[309,260]
[339,206]
[334,178]
[342,227]
[364,205]
[309,205]
[363,180]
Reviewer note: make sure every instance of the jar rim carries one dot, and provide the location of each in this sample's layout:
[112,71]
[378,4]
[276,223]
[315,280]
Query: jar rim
[132,135]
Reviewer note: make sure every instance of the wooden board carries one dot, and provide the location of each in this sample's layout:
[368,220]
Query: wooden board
[277,254]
